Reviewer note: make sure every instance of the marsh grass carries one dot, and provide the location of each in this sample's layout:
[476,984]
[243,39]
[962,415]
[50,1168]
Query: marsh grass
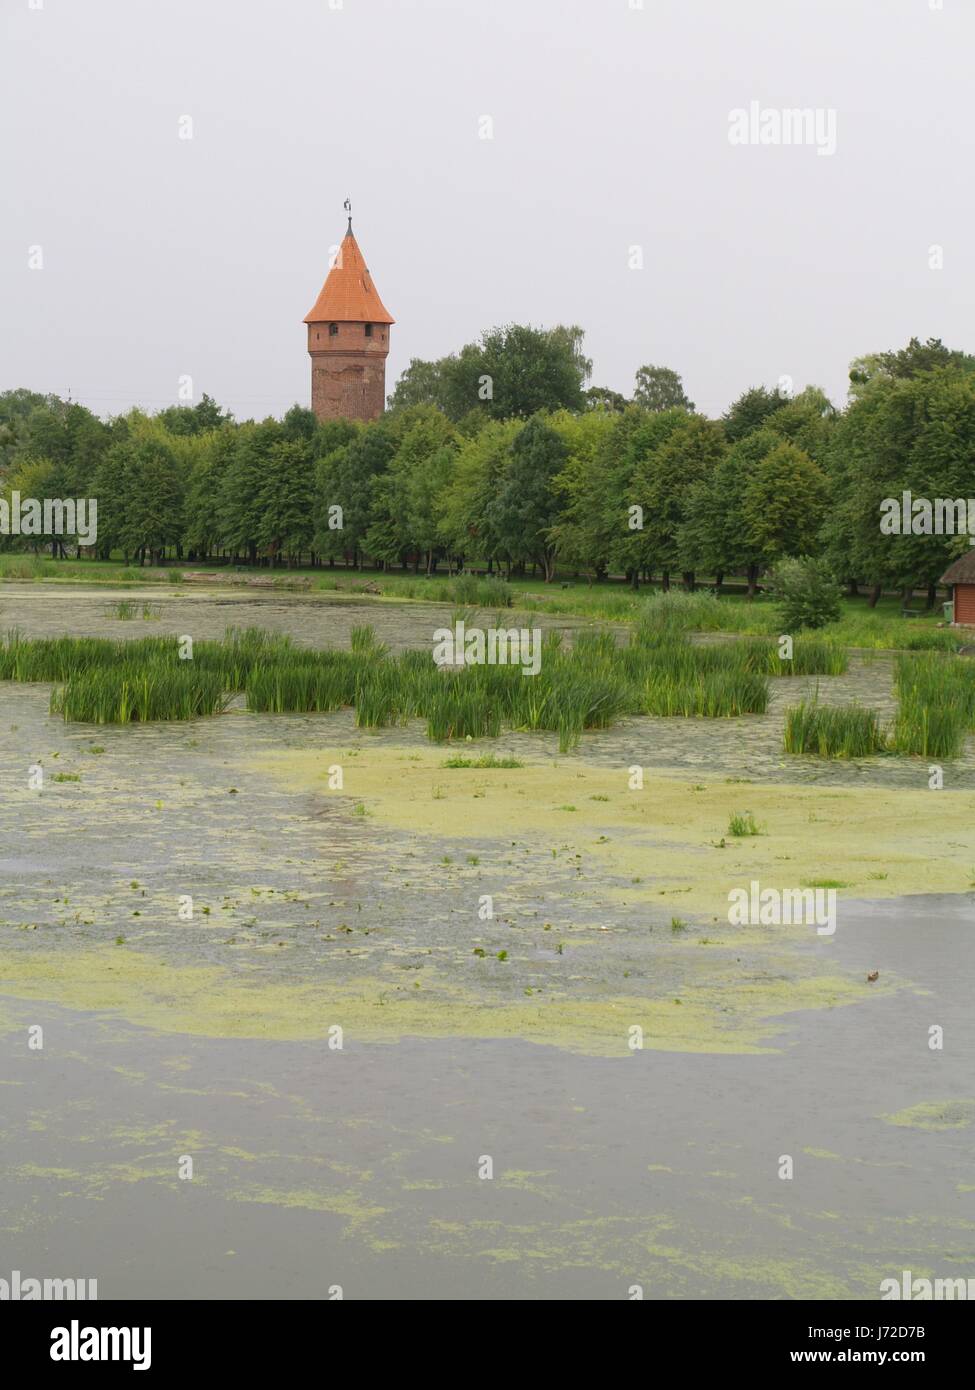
[137,692]
[929,730]
[940,639]
[934,677]
[936,691]
[58,658]
[842,731]
[311,687]
[743,824]
[679,612]
[462,709]
[590,685]
[366,645]
[936,710]
[486,760]
[480,591]
[708,695]
[811,656]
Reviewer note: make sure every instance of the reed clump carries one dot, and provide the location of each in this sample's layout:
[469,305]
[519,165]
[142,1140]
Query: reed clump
[834,731]
[586,686]
[811,656]
[936,693]
[137,692]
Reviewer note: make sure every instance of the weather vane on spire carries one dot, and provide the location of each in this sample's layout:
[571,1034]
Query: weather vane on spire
[348,207]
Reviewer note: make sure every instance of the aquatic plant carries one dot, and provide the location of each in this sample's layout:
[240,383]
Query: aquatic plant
[839,731]
[131,693]
[936,693]
[710,694]
[679,612]
[485,591]
[811,656]
[589,685]
[486,760]
[930,730]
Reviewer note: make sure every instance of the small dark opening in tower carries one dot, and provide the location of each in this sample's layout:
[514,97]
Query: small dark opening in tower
[333,330]
[368,330]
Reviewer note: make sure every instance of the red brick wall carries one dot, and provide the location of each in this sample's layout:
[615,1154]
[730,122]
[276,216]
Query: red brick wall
[348,371]
[965,603]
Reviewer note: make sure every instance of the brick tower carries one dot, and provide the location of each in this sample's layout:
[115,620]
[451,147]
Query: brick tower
[348,340]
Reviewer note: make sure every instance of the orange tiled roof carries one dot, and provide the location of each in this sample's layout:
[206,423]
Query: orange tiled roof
[348,294]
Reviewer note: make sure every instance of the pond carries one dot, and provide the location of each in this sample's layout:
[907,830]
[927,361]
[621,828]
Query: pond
[466,1036]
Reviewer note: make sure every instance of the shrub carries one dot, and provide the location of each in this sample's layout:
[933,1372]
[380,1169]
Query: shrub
[806,592]
[486,592]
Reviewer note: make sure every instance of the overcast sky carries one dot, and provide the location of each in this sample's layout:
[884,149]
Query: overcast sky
[166,257]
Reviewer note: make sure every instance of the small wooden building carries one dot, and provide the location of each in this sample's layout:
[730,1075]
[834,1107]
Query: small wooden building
[961,577]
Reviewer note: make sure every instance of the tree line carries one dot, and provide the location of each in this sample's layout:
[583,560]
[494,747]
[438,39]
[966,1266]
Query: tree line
[499,457]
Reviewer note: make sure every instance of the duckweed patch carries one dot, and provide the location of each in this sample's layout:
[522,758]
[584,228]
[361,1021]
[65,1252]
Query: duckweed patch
[147,990]
[935,1114]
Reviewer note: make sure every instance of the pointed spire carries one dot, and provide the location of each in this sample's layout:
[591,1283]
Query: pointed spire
[348,295]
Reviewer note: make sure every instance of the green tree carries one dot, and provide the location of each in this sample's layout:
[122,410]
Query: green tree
[344,479]
[422,383]
[660,388]
[602,398]
[300,423]
[908,434]
[784,504]
[194,419]
[467,520]
[591,483]
[203,531]
[241,503]
[906,363]
[807,421]
[751,411]
[287,499]
[405,514]
[515,370]
[662,484]
[528,502]
[140,499]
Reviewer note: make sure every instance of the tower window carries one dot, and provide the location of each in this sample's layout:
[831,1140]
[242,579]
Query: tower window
[368,330]
[333,330]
